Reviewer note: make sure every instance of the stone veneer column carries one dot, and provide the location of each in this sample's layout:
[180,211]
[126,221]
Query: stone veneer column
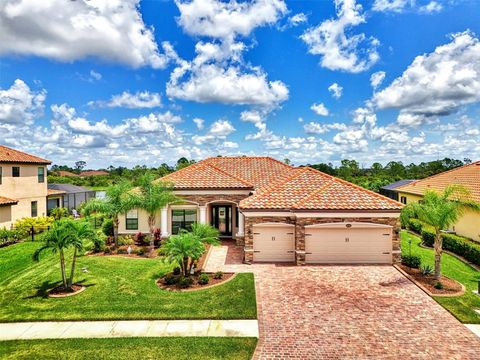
[239,236]
[248,248]
[164,222]
[299,242]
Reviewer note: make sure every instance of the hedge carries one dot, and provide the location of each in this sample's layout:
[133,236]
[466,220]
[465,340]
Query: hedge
[459,245]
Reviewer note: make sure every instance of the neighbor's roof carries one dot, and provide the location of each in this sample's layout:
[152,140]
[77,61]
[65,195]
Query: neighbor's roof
[396,184]
[51,192]
[7,201]
[467,175]
[68,188]
[15,156]
[310,189]
[93,173]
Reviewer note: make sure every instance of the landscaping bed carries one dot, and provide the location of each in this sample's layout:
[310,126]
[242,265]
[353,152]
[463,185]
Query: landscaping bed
[60,292]
[449,287]
[196,281]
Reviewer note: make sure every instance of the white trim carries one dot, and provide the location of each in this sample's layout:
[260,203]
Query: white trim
[184,206]
[221,201]
[273,224]
[187,203]
[203,214]
[212,192]
[346,214]
[342,225]
[265,213]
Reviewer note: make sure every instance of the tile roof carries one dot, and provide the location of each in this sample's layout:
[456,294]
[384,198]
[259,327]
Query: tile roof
[7,201]
[55,192]
[396,184]
[204,175]
[310,189]
[15,156]
[467,175]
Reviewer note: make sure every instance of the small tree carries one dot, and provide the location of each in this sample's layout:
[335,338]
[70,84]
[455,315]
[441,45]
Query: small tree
[118,200]
[152,196]
[440,211]
[63,235]
[186,248]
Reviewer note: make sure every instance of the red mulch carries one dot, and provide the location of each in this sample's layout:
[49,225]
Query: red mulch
[59,290]
[450,286]
[196,285]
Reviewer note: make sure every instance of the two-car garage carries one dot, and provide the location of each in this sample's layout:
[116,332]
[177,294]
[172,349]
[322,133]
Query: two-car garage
[330,243]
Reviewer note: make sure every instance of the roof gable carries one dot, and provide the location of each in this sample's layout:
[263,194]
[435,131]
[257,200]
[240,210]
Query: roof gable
[15,156]
[467,175]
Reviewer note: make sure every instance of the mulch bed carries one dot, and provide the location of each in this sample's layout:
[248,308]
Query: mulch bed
[60,292]
[122,252]
[195,286]
[450,287]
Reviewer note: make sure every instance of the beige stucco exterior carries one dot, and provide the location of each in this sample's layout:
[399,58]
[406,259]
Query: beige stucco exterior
[468,225]
[25,189]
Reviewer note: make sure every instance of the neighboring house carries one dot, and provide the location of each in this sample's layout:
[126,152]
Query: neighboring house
[23,186]
[280,213]
[467,176]
[389,190]
[93,173]
[67,196]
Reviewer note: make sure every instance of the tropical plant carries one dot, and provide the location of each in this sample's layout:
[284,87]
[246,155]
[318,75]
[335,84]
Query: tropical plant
[118,200]
[59,212]
[440,211]
[63,235]
[151,197]
[38,224]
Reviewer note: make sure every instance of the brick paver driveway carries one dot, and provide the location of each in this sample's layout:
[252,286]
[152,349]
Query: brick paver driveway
[351,312]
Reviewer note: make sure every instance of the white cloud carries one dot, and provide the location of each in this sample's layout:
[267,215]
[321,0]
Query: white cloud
[155,122]
[436,84]
[297,19]
[199,122]
[252,116]
[391,5]
[218,130]
[230,145]
[71,30]
[317,128]
[340,50]
[95,76]
[20,104]
[139,100]
[226,20]
[319,109]
[377,78]
[431,7]
[336,90]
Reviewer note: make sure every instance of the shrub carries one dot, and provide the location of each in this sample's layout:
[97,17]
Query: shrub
[140,237]
[107,227]
[58,213]
[412,261]
[140,251]
[125,240]
[428,237]
[157,235]
[39,224]
[415,225]
[218,275]
[107,250]
[176,271]
[121,251]
[426,270]
[185,282]
[438,285]
[203,279]
[9,236]
[99,242]
[170,279]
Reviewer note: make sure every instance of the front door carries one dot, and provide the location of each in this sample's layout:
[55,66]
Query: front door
[222,219]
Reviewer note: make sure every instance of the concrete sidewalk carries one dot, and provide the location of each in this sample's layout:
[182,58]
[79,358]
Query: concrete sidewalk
[133,328]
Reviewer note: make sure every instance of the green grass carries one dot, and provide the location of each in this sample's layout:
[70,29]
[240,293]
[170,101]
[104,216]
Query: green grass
[462,307]
[130,348]
[117,288]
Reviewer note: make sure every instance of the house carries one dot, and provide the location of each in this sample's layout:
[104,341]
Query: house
[467,176]
[23,186]
[280,213]
[67,196]
[389,190]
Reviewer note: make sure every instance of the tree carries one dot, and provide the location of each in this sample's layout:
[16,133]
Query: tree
[187,247]
[80,165]
[440,211]
[63,235]
[151,197]
[118,200]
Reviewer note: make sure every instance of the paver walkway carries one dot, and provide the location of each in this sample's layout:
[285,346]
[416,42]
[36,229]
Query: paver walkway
[348,312]
[130,328]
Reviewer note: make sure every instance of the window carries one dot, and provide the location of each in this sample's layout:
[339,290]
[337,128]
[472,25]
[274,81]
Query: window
[403,199]
[16,171]
[132,220]
[34,208]
[41,174]
[183,219]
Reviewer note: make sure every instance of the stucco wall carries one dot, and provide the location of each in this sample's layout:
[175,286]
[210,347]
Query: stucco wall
[5,216]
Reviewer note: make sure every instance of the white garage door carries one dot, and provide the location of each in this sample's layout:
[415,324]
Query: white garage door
[274,242]
[348,243]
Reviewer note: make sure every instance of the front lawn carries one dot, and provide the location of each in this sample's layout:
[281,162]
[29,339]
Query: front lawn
[117,288]
[131,348]
[462,307]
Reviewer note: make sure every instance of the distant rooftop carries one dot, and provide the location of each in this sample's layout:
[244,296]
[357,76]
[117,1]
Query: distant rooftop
[68,188]
[397,184]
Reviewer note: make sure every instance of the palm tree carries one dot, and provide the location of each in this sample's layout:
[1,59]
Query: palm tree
[63,235]
[441,211]
[151,197]
[118,200]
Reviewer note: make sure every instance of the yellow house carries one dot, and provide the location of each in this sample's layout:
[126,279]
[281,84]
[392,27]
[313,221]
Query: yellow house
[23,186]
[467,176]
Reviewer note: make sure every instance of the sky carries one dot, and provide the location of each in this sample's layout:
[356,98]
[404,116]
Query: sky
[132,82]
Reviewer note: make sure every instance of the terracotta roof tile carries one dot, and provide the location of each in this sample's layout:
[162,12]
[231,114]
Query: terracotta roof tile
[55,192]
[467,175]
[15,156]
[7,201]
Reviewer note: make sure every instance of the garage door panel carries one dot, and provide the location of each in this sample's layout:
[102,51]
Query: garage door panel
[273,244]
[348,245]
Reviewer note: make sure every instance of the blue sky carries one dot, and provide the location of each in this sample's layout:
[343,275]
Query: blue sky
[146,82]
